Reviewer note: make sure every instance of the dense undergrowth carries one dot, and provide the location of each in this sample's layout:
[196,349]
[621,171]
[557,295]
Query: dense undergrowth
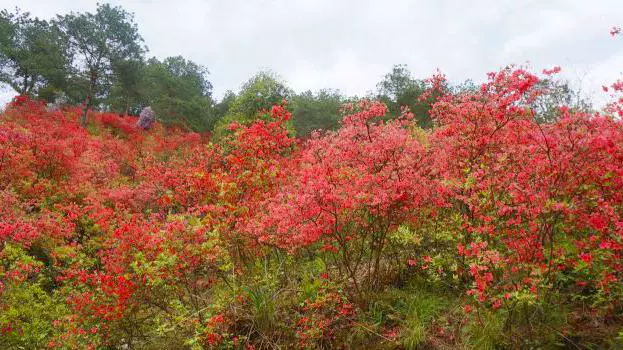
[489,231]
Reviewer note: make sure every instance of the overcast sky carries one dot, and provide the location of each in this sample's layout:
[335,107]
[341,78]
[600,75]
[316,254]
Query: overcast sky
[351,44]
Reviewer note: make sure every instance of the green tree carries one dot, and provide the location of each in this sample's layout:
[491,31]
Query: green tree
[180,93]
[557,93]
[98,41]
[126,93]
[34,55]
[223,106]
[257,96]
[313,111]
[398,88]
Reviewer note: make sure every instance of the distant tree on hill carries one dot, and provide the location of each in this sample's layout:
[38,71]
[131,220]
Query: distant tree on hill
[99,42]
[557,93]
[126,94]
[34,55]
[398,88]
[180,93]
[314,111]
[258,94]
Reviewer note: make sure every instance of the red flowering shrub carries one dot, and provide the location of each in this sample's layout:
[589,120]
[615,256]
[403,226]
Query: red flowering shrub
[322,319]
[533,198]
[116,236]
[347,189]
[252,162]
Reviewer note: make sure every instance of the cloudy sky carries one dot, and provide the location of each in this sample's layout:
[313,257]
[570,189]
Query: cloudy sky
[351,44]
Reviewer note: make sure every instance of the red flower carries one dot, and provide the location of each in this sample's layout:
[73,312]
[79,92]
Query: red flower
[552,71]
[586,257]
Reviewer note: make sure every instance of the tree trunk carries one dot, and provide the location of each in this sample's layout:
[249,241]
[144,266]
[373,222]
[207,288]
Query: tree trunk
[85,110]
[31,85]
[88,99]
[25,87]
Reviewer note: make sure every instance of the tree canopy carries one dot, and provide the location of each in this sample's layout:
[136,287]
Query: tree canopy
[179,92]
[257,95]
[34,55]
[318,110]
[398,88]
[100,41]
[99,60]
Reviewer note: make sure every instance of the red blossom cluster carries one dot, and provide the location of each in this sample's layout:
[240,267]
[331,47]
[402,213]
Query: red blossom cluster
[128,223]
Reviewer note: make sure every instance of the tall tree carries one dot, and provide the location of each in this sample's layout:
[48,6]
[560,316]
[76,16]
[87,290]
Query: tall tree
[126,93]
[33,53]
[557,93]
[98,41]
[257,95]
[313,111]
[180,93]
[223,106]
[398,88]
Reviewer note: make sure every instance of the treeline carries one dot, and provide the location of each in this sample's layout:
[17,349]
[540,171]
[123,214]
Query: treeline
[100,61]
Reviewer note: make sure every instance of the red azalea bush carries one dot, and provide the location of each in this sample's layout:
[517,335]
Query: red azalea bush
[349,188]
[534,199]
[116,236]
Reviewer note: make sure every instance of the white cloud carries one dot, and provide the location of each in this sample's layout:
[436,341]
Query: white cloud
[350,44]
[552,26]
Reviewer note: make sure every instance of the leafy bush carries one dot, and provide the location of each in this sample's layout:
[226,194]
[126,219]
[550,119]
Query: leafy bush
[491,230]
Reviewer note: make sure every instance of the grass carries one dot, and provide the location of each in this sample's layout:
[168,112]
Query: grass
[411,310]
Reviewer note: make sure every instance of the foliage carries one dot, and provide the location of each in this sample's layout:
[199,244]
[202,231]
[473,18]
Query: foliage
[348,190]
[34,55]
[399,89]
[256,97]
[99,41]
[316,111]
[555,94]
[490,230]
[179,92]
[128,89]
